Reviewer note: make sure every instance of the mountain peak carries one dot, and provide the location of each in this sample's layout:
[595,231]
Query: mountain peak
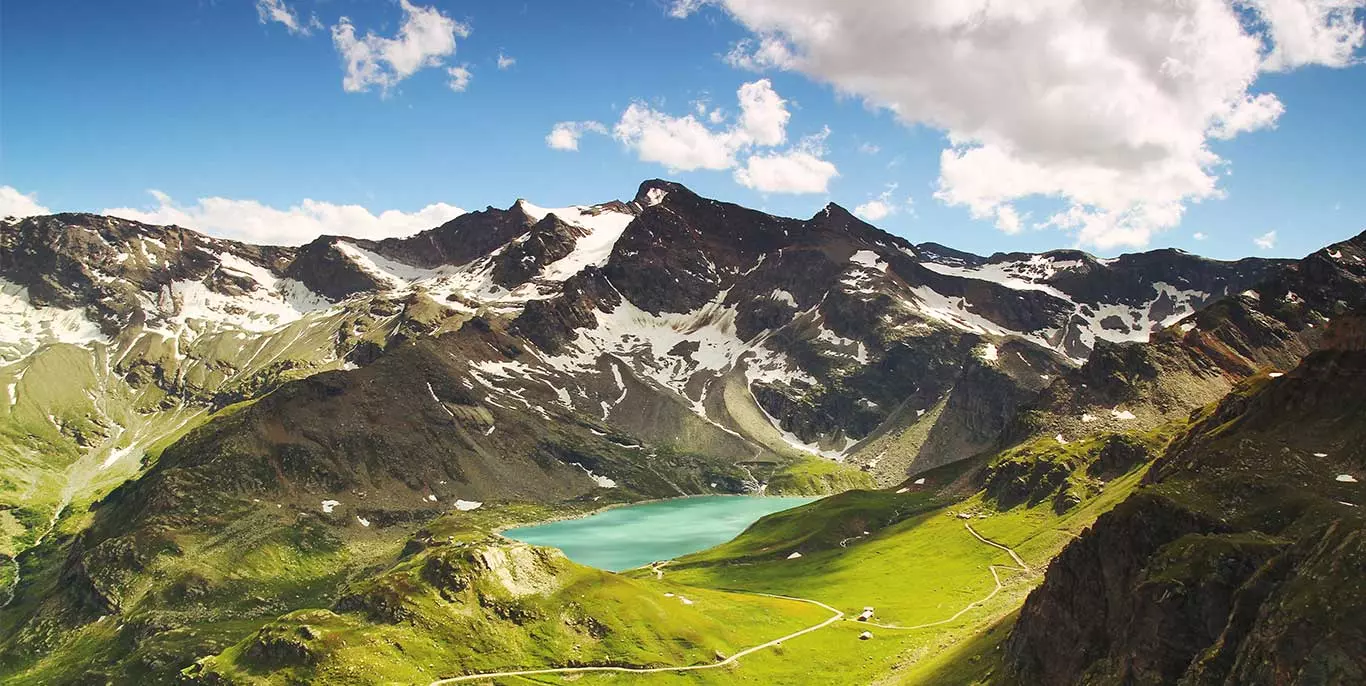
[654,191]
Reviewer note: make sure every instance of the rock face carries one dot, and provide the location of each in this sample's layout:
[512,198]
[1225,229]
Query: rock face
[687,325]
[1239,561]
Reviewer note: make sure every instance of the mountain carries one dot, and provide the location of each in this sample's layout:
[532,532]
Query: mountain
[1240,560]
[203,435]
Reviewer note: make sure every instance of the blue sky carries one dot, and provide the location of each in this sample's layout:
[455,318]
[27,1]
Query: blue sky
[101,103]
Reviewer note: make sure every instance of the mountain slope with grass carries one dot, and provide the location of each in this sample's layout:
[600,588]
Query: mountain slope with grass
[279,464]
[1240,560]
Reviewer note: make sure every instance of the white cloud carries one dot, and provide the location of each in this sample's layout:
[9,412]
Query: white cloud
[251,221]
[794,171]
[424,40]
[1249,114]
[1105,108]
[873,210]
[767,53]
[801,169]
[565,135]
[679,143]
[869,149]
[1008,219]
[1266,241]
[687,144]
[1199,236]
[506,61]
[763,114]
[277,11]
[460,78]
[683,8]
[1304,32]
[16,204]
[881,206]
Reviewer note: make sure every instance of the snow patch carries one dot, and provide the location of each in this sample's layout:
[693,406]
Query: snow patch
[467,505]
[783,296]
[25,327]
[654,196]
[794,556]
[604,227]
[363,521]
[601,481]
[1122,415]
[1347,478]
[329,505]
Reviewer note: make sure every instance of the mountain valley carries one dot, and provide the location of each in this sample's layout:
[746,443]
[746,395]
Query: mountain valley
[228,463]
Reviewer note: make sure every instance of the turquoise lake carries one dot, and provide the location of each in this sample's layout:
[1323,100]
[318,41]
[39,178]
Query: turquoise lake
[634,535]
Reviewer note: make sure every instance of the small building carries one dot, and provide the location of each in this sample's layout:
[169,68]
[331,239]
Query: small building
[867,614]
[865,635]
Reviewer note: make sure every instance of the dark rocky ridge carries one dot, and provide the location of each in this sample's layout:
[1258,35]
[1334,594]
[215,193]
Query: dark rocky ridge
[105,264]
[1241,559]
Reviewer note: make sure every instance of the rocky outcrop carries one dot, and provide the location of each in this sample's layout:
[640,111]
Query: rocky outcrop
[1240,559]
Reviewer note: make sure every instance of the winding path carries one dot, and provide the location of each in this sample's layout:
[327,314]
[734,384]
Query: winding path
[836,616]
[1020,566]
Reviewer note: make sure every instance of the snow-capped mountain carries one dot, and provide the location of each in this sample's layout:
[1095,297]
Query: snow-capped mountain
[681,323]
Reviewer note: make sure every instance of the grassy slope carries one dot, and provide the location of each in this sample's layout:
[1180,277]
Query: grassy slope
[919,565]
[502,605]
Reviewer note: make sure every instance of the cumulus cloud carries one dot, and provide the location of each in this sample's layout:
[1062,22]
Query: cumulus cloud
[763,114]
[506,61]
[460,78]
[16,204]
[881,206]
[1199,236]
[424,40]
[1304,32]
[277,11]
[687,143]
[761,55]
[565,135]
[1104,108]
[679,143]
[254,222]
[1266,241]
[794,171]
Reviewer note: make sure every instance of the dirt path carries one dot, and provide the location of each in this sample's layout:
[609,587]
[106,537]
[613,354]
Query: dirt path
[836,616]
[1020,567]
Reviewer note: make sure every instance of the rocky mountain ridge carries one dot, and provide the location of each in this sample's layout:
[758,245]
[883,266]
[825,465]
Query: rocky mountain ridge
[176,402]
[765,338]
